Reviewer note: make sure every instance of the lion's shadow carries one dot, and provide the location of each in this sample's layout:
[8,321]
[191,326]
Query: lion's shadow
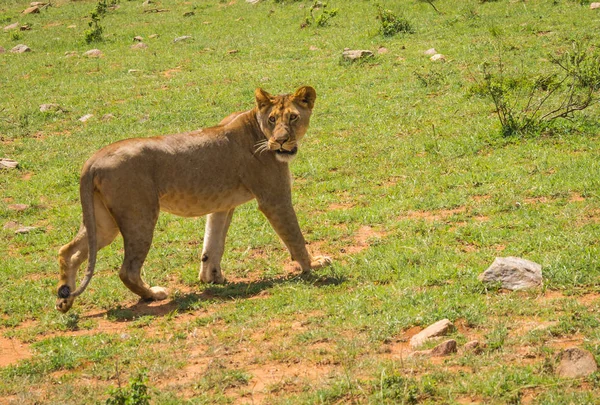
[226,292]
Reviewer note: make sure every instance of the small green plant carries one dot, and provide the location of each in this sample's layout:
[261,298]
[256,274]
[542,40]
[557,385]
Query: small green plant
[15,35]
[94,33]
[319,18]
[135,394]
[391,24]
[525,105]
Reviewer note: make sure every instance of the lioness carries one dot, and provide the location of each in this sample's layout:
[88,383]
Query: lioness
[209,171]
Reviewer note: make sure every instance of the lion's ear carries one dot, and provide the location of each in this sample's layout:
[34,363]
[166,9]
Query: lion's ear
[263,99]
[305,96]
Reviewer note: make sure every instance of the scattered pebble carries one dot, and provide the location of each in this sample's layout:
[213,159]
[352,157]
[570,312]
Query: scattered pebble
[474,346]
[138,38]
[182,38]
[139,45]
[11,225]
[51,108]
[594,6]
[32,10]
[439,328]
[86,117]
[26,229]
[71,26]
[153,36]
[576,363]
[18,207]
[382,50]
[437,57]
[430,52]
[21,48]
[2,50]
[147,3]
[70,54]
[8,163]
[12,27]
[353,55]
[93,53]
[232,51]
[107,117]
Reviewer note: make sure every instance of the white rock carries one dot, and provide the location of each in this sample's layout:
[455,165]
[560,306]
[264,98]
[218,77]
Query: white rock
[437,57]
[439,328]
[430,51]
[182,38]
[139,45]
[8,163]
[594,6]
[513,273]
[86,117]
[12,27]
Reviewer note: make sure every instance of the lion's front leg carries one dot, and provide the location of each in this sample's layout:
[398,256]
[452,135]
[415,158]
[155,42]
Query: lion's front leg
[217,225]
[285,223]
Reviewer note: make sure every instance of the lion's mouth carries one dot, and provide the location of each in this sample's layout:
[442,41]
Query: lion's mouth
[287,152]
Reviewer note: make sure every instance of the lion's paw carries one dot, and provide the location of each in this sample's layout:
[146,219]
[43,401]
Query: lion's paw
[159,293]
[320,261]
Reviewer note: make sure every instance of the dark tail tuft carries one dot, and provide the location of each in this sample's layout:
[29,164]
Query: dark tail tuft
[64,291]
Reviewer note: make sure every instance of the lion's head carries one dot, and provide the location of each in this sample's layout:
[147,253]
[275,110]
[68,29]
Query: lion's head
[284,120]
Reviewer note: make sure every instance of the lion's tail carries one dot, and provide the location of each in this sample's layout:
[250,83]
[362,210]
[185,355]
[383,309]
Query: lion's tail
[86,193]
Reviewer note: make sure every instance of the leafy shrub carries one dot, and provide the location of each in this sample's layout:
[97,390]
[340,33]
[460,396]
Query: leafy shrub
[530,104]
[135,394]
[391,24]
[94,33]
[319,18]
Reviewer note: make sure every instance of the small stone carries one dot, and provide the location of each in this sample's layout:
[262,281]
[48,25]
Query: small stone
[20,49]
[189,14]
[439,328]
[51,108]
[8,163]
[313,48]
[382,50]
[575,363]
[474,346]
[138,38]
[18,207]
[70,54]
[153,36]
[31,10]
[37,3]
[594,6]
[25,230]
[107,117]
[147,3]
[444,348]
[12,26]
[134,71]
[139,45]
[232,51]
[513,273]
[252,1]
[25,27]
[93,53]
[430,52]
[71,26]
[437,57]
[182,38]
[11,225]
[353,55]
[86,117]
[2,50]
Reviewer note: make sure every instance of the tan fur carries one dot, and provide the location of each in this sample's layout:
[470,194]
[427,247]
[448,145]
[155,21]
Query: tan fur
[210,171]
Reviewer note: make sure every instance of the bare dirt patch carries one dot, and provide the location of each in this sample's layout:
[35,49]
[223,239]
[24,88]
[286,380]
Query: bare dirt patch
[12,351]
[363,238]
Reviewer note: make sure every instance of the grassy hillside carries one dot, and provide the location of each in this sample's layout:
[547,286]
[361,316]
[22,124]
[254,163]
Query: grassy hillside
[405,178]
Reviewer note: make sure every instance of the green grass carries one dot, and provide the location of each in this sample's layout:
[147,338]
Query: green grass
[406,148]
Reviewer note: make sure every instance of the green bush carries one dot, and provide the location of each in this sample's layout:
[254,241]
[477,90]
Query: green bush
[391,24]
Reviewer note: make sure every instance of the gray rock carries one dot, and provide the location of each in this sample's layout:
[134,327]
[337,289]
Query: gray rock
[51,108]
[575,363]
[2,50]
[20,49]
[8,163]
[12,26]
[440,328]
[31,10]
[513,273]
[11,225]
[356,54]
[18,207]
[138,38]
[444,348]
[594,6]
[474,346]
[437,57]
[430,52]
[182,38]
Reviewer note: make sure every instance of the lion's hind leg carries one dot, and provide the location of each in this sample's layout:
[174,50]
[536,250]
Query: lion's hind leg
[72,255]
[137,234]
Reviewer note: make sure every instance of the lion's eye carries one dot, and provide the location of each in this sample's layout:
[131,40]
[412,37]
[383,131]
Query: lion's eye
[272,119]
[293,117]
